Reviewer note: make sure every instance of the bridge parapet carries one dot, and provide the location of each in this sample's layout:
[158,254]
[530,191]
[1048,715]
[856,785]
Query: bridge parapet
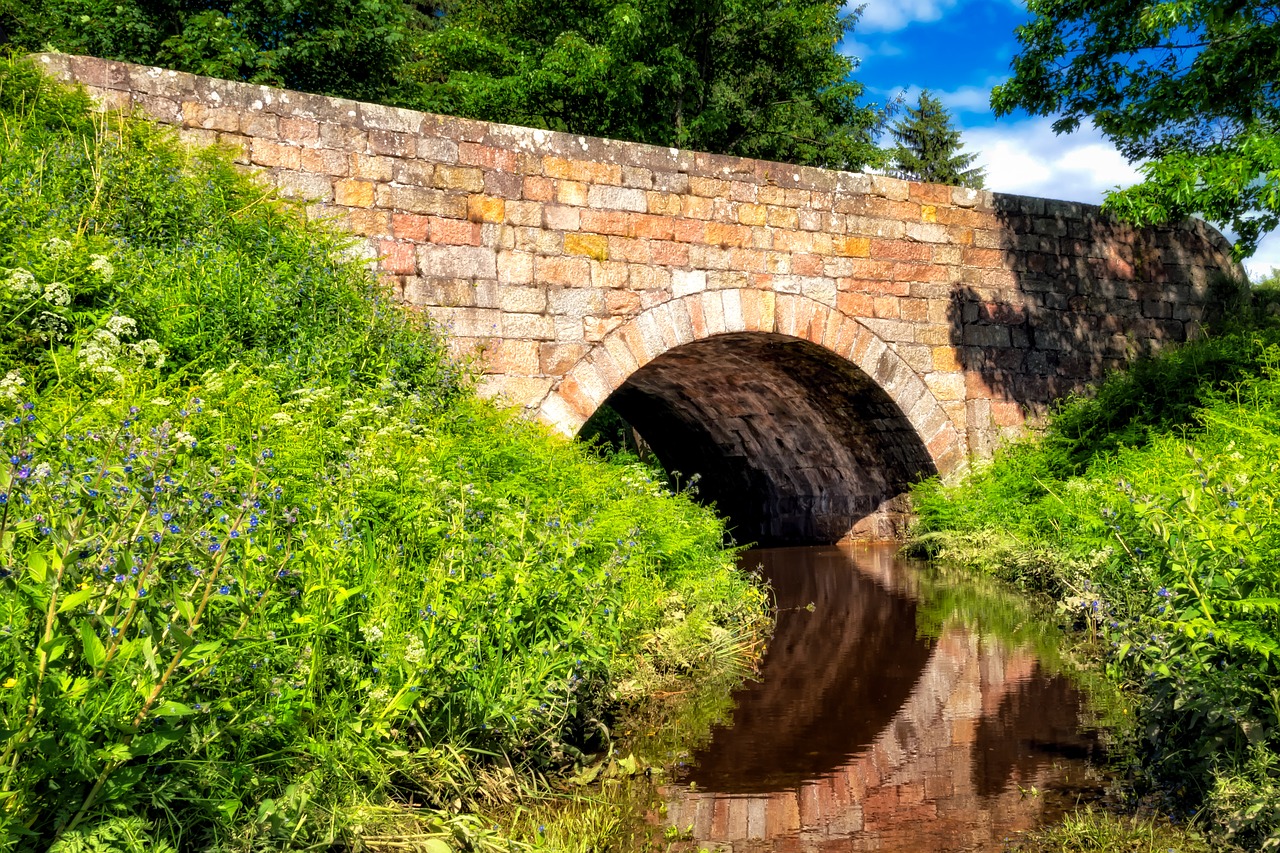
[568,262]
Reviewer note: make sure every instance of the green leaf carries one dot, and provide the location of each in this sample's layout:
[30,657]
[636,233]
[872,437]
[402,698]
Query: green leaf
[94,652]
[75,599]
[170,708]
[56,647]
[153,742]
[37,567]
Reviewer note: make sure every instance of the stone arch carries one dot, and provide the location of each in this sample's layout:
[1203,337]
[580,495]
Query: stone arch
[871,426]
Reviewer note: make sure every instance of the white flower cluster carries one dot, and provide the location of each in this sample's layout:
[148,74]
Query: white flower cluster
[101,265]
[11,386]
[103,352]
[20,282]
[414,651]
[56,293]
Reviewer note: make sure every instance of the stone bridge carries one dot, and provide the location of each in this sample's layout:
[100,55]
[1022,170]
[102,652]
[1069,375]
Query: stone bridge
[809,341]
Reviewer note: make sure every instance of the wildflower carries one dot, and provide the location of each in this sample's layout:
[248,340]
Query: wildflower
[121,326]
[1164,593]
[102,266]
[11,385]
[56,293]
[22,283]
[224,590]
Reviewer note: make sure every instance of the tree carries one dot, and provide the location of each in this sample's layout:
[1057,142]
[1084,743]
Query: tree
[928,147]
[756,78]
[354,48]
[1187,88]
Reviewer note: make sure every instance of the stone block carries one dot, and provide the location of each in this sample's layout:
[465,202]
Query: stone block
[528,326]
[482,208]
[437,150]
[353,193]
[421,201]
[593,246]
[455,232]
[301,185]
[459,178]
[573,271]
[556,359]
[457,261]
[572,193]
[617,198]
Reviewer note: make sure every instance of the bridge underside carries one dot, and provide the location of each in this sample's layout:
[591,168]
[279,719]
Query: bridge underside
[792,443]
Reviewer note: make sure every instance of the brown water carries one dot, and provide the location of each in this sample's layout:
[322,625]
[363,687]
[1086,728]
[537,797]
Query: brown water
[862,734]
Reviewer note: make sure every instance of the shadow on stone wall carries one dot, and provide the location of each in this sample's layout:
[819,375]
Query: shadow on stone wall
[1067,296]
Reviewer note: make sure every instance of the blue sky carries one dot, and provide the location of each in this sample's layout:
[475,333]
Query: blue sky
[959,49]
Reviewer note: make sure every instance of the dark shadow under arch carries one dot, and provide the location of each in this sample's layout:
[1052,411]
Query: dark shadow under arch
[793,443]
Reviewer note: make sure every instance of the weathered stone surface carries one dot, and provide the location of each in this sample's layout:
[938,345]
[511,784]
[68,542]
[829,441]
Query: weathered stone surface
[587,259]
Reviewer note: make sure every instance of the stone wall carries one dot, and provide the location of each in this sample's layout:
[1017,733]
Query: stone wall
[569,263]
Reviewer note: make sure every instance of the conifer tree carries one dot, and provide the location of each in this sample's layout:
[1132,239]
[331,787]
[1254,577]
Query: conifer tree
[927,147]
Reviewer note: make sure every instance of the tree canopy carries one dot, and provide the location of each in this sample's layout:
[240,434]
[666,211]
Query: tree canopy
[353,48]
[928,148]
[1188,88]
[756,78]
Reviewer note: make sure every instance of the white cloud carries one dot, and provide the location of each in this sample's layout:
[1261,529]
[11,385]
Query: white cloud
[1028,158]
[863,50]
[888,16]
[966,99]
[1266,258]
[963,99]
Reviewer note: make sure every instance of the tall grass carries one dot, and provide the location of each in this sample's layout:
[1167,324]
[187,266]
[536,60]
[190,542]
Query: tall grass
[1149,512]
[270,575]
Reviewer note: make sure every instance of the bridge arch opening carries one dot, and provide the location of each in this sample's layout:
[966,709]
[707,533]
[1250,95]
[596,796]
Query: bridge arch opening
[791,441]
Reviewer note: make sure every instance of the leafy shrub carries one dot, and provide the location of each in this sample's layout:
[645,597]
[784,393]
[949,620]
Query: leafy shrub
[268,567]
[1161,536]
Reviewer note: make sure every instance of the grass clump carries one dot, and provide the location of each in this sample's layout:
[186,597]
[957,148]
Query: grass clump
[1088,830]
[272,577]
[1149,513]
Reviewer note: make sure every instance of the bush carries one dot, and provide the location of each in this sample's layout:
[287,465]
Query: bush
[268,567]
[1149,513]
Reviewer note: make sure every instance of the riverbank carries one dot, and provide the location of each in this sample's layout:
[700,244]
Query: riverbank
[1147,512]
[273,577]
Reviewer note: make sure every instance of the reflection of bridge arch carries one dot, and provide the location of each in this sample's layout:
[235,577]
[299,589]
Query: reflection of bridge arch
[801,421]
[938,775]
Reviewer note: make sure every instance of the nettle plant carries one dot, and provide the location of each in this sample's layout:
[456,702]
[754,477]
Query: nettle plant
[130,561]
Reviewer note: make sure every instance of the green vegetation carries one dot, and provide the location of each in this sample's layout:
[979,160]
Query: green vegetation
[1148,511]
[1087,830]
[927,148]
[271,575]
[1184,88]
[755,78]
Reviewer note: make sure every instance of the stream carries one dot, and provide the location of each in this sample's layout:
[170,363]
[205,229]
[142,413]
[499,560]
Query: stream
[885,716]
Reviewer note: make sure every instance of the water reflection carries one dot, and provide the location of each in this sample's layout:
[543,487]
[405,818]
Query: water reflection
[860,734]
